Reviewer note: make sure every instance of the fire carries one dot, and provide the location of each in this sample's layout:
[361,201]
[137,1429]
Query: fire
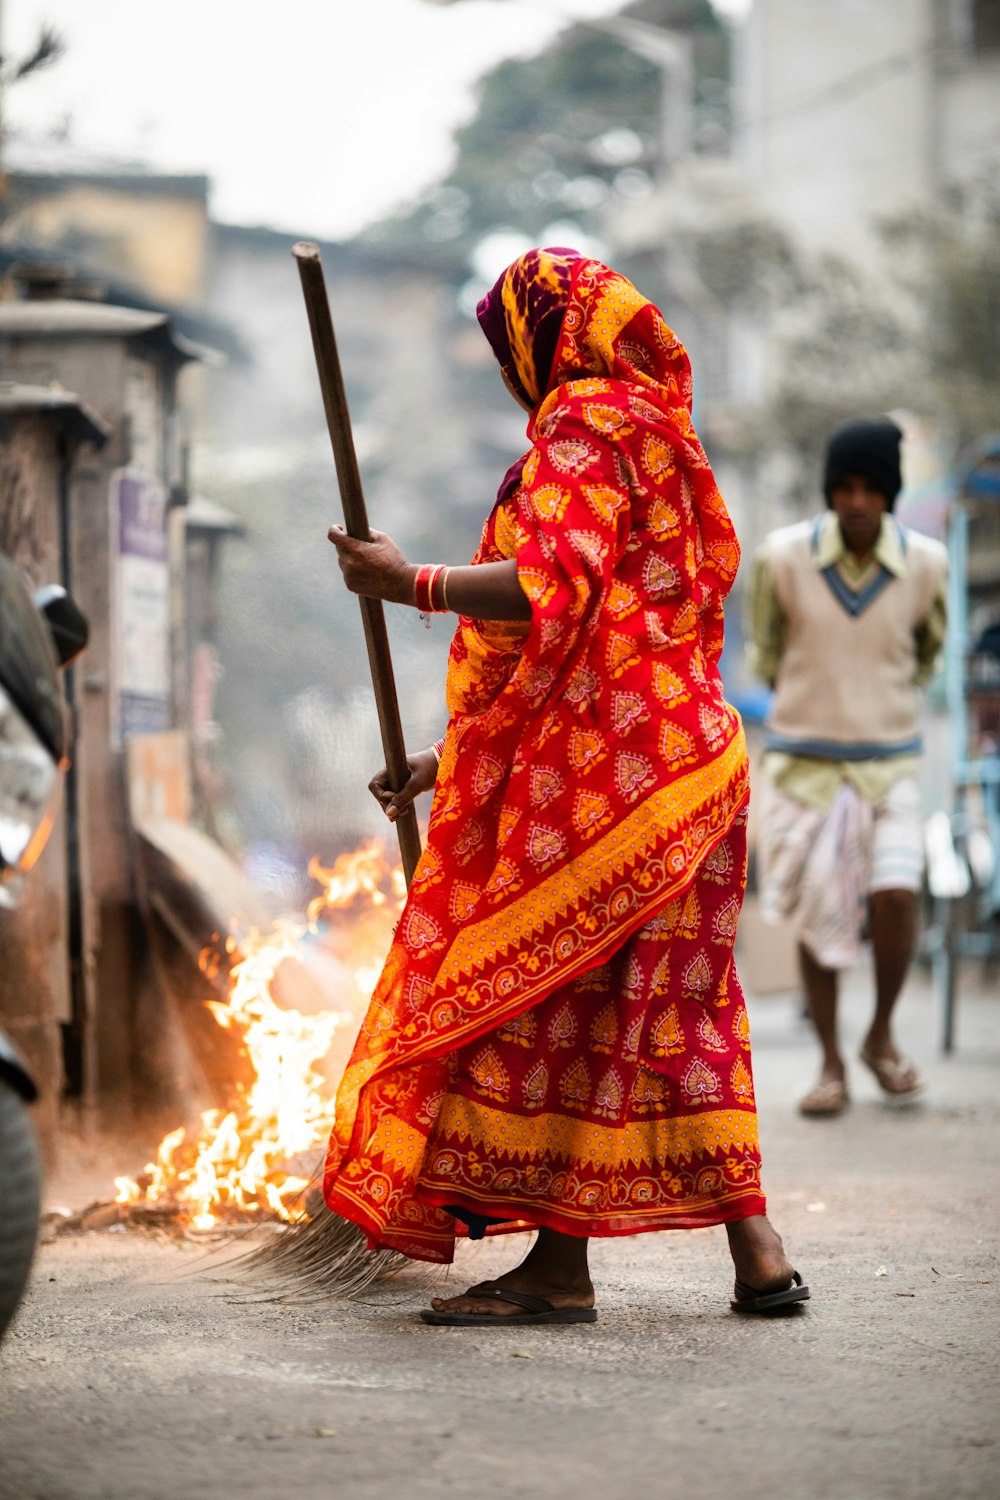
[242,1160]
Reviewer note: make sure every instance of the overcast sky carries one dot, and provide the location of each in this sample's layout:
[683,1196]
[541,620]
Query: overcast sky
[310,115]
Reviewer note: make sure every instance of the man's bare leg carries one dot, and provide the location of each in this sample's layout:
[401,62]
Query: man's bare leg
[820,985]
[554,1268]
[894,939]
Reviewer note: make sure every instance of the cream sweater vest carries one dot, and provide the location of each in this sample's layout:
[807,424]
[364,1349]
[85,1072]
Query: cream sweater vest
[845,687]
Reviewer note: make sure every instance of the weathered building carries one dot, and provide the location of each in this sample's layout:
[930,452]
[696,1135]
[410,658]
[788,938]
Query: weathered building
[47,441]
[850,115]
[108,523]
[147,230]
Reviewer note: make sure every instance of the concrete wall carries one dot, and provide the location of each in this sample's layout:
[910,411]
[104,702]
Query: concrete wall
[856,109]
[837,121]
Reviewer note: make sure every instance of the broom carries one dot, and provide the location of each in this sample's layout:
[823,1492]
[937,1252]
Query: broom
[323,1255]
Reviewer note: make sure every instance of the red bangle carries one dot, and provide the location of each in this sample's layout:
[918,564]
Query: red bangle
[423,588]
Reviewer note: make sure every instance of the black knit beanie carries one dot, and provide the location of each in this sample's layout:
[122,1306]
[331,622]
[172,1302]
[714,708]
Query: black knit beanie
[869,448]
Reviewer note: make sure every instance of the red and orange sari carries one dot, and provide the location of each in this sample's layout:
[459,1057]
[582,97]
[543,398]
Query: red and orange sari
[559,1036]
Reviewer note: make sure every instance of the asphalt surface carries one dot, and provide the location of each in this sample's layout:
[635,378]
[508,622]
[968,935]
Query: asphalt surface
[131,1372]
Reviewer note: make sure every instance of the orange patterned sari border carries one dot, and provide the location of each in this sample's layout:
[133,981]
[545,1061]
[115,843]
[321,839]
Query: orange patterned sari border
[518,1215]
[675,1138]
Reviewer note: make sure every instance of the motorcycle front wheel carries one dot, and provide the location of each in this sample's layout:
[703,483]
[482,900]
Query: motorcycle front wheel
[20,1200]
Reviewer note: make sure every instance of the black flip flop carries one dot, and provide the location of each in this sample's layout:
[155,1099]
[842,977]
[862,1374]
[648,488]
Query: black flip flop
[536,1310]
[749,1301]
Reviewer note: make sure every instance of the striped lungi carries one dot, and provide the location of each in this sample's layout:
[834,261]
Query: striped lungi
[817,869]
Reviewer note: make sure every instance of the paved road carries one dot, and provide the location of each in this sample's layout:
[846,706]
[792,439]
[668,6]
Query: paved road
[130,1374]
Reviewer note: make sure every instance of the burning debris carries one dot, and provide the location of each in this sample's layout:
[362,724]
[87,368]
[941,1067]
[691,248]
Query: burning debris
[252,1162]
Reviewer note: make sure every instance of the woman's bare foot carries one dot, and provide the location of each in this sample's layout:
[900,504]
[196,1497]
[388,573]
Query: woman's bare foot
[554,1268]
[758,1256]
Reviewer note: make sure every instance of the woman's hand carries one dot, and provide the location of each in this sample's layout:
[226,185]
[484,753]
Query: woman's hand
[376,569]
[423,774]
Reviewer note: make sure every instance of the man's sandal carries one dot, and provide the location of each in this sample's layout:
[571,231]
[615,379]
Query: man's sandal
[536,1310]
[898,1078]
[827,1098]
[747,1300]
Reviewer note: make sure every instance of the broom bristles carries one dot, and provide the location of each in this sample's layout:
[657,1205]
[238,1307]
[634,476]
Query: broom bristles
[318,1257]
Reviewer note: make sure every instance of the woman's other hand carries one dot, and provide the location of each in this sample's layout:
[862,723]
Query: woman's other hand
[376,569]
[423,774]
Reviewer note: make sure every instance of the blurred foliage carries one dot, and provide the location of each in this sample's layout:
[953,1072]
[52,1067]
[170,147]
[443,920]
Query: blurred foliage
[558,135]
[752,263]
[949,265]
[922,335]
[48,48]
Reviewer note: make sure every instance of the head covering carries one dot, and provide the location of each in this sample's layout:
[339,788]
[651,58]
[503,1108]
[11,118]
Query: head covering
[555,315]
[522,317]
[869,448]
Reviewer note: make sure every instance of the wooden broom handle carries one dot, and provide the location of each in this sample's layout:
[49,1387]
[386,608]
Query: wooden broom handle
[338,422]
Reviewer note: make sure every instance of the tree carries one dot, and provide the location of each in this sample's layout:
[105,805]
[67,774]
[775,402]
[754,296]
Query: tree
[921,334]
[48,49]
[948,261]
[561,134]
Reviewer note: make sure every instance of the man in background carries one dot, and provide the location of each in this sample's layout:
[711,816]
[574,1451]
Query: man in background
[847,616]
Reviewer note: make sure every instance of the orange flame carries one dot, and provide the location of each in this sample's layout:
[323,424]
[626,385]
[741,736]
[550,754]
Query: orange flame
[241,1160]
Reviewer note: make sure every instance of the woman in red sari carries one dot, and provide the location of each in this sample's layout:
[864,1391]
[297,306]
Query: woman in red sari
[558,1039]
